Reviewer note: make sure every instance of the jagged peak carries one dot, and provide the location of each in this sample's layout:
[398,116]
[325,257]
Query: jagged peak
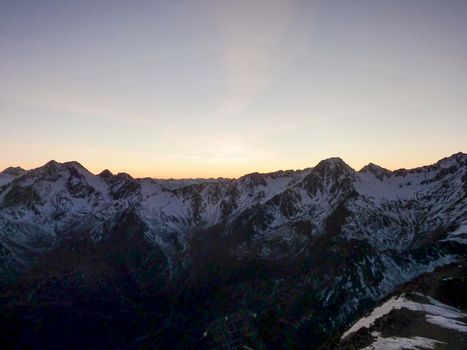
[50,167]
[74,164]
[15,171]
[106,174]
[371,166]
[252,175]
[376,170]
[124,176]
[51,163]
[254,179]
[332,164]
[54,167]
[459,155]
[333,161]
[456,158]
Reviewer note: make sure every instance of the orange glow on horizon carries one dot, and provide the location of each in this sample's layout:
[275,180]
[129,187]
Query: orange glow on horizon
[225,170]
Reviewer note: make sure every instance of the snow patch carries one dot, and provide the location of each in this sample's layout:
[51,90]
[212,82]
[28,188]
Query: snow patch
[436,313]
[395,343]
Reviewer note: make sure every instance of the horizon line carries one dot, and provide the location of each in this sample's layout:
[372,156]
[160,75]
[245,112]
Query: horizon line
[230,178]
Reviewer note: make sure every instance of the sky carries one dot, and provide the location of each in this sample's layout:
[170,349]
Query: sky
[213,88]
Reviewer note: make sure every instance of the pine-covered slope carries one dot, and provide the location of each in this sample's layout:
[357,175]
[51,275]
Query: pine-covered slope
[306,250]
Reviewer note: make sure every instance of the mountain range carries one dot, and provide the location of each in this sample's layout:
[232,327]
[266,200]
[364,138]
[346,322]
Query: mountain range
[295,256]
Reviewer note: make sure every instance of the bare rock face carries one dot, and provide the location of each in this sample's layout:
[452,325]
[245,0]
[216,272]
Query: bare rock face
[306,250]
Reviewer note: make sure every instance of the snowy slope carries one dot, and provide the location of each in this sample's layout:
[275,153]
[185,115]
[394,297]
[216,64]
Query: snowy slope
[438,322]
[436,313]
[390,210]
[328,238]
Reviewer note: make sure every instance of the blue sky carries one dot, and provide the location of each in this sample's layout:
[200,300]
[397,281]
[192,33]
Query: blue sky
[223,88]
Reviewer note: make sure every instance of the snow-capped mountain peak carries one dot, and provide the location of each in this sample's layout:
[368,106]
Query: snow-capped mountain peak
[369,230]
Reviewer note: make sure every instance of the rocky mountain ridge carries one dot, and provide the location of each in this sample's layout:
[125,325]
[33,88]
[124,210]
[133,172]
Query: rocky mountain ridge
[285,244]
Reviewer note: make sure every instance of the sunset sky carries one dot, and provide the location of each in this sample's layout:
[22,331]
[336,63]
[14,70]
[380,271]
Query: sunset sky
[223,88]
